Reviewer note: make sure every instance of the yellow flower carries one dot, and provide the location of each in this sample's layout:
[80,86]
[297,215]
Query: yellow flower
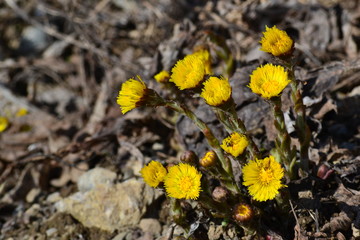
[154,173]
[205,55]
[276,42]
[162,76]
[21,112]
[183,181]
[4,123]
[216,91]
[209,159]
[268,80]
[188,72]
[263,178]
[242,212]
[131,94]
[235,144]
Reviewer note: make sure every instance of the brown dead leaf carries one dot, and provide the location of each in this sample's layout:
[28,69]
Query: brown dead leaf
[342,222]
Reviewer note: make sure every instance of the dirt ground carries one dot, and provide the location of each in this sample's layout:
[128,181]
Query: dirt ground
[67,153]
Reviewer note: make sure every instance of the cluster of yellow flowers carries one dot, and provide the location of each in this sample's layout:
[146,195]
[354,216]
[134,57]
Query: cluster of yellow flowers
[183,181]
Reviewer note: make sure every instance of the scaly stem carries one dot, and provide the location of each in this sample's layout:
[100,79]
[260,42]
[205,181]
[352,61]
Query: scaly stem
[210,137]
[282,142]
[301,126]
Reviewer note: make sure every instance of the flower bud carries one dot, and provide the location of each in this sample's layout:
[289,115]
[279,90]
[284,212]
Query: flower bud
[242,212]
[189,157]
[220,194]
[209,159]
[324,171]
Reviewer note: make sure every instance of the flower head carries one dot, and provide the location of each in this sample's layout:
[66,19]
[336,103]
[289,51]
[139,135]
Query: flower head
[209,159]
[235,144]
[242,212]
[131,94]
[263,178]
[276,42]
[216,91]
[162,76]
[183,181]
[154,173]
[268,80]
[205,55]
[4,123]
[188,72]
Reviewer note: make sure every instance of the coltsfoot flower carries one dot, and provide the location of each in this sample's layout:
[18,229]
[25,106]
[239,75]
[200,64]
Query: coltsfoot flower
[263,178]
[154,173]
[209,159]
[205,55]
[131,94]
[4,123]
[276,41]
[188,72]
[268,81]
[242,212]
[183,181]
[216,91]
[235,144]
[162,76]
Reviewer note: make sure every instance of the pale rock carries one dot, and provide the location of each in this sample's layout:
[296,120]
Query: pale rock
[94,177]
[110,207]
[51,231]
[150,225]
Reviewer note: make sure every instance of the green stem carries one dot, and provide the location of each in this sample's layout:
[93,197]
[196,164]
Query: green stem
[282,142]
[210,137]
[301,126]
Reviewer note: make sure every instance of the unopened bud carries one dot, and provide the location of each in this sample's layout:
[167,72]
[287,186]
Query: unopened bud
[242,212]
[324,171]
[220,194]
[209,159]
[189,157]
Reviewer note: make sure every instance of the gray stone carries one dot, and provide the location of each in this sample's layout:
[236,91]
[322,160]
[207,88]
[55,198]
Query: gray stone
[110,207]
[150,225]
[92,178]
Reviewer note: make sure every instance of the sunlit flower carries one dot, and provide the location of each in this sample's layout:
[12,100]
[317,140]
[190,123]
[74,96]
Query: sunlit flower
[162,76]
[209,159]
[205,55]
[235,144]
[242,212]
[131,94]
[216,91]
[268,80]
[183,181]
[263,178]
[154,173]
[4,123]
[188,72]
[276,42]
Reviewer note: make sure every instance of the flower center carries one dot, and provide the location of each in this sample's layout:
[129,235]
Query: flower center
[185,184]
[270,86]
[266,176]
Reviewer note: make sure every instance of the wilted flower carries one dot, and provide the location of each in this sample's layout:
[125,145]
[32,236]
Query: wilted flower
[162,76]
[216,91]
[220,194]
[268,80]
[154,173]
[183,181]
[263,178]
[242,212]
[276,41]
[235,144]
